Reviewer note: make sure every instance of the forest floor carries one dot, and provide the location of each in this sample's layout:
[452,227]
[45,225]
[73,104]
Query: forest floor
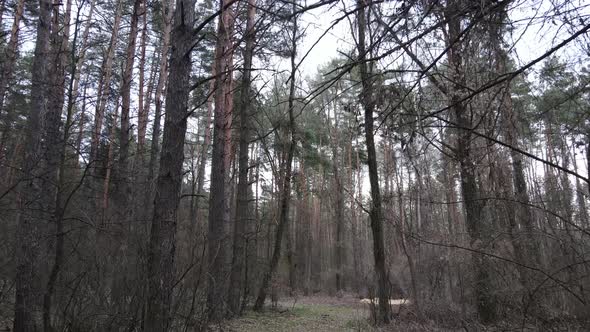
[347,313]
[311,314]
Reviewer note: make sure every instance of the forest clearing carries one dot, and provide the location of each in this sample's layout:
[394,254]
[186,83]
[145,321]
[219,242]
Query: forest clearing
[306,314]
[294,165]
[347,313]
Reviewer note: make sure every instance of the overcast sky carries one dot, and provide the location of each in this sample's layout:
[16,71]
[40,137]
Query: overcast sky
[537,27]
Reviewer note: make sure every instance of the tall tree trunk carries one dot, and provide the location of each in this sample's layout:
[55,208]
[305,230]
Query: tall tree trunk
[580,196]
[82,120]
[251,231]
[339,206]
[452,216]
[109,163]
[290,254]
[57,147]
[2,8]
[376,214]
[160,88]
[11,52]
[163,233]
[126,179]
[204,150]
[104,85]
[588,159]
[286,183]
[303,216]
[7,71]
[243,213]
[151,85]
[469,187]
[124,135]
[76,64]
[143,108]
[220,168]
[356,254]
[520,214]
[31,205]
[405,226]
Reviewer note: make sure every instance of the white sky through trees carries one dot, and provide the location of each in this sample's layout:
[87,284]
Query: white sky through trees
[536,26]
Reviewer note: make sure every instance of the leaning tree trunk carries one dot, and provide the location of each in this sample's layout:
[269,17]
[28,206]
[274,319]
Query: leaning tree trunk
[163,233]
[243,213]
[376,214]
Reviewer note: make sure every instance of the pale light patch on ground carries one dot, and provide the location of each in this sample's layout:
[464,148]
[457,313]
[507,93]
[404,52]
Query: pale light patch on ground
[391,301]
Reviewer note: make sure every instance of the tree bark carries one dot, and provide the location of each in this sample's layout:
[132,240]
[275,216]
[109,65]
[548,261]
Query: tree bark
[82,119]
[243,213]
[2,8]
[126,201]
[143,109]
[204,150]
[160,89]
[10,57]
[109,163]
[57,147]
[339,206]
[104,85]
[580,196]
[376,214]
[469,187]
[29,232]
[7,71]
[220,168]
[163,233]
